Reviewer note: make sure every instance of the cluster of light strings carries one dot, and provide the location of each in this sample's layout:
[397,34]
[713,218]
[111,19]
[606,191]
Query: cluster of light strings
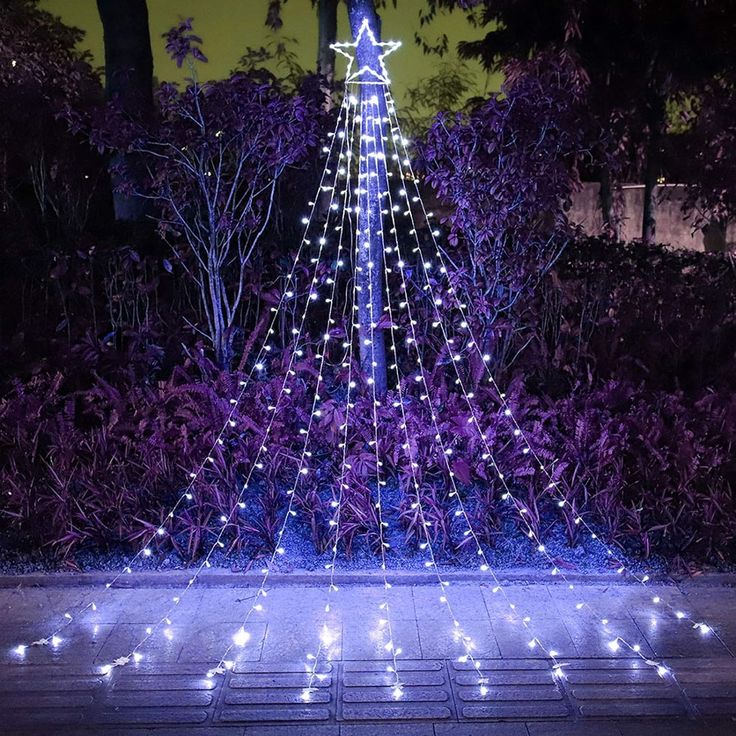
[408,175]
[54,638]
[370,113]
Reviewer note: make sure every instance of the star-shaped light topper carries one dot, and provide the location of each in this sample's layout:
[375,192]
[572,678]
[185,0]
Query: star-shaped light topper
[367,74]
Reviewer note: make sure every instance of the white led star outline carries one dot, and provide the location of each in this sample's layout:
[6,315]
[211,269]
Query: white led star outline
[379,77]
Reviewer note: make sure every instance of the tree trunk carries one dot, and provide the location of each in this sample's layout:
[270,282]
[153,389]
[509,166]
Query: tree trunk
[129,82]
[327,21]
[608,216]
[649,222]
[655,122]
[369,260]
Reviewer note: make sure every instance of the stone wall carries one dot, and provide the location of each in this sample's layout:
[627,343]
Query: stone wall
[672,227]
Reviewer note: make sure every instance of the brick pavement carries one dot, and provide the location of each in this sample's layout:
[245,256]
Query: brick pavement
[60,690]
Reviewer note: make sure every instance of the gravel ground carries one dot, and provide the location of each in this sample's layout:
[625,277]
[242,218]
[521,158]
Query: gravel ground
[512,549]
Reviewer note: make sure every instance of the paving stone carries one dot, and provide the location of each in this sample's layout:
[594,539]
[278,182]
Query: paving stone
[376,679]
[208,642]
[618,709]
[306,606]
[152,716]
[362,603]
[399,711]
[266,695]
[32,717]
[385,694]
[702,602]
[504,665]
[276,679]
[404,665]
[439,641]
[148,683]
[592,637]
[282,667]
[133,730]
[536,709]
[272,696]
[43,679]
[615,600]
[264,715]
[711,690]
[78,644]
[148,605]
[624,692]
[467,602]
[565,728]
[220,604]
[285,641]
[612,663]
[612,677]
[291,730]
[364,692]
[159,698]
[710,707]
[528,600]
[700,671]
[158,648]
[516,678]
[675,727]
[513,638]
[395,729]
[508,693]
[43,700]
[485,729]
[360,641]
[672,638]
[36,605]
[62,692]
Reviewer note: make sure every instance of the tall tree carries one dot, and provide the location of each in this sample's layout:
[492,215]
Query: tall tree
[638,55]
[327,35]
[327,22]
[129,84]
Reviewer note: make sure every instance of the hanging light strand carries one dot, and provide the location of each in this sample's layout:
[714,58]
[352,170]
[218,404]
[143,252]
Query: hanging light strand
[135,654]
[459,634]
[644,579]
[242,635]
[385,606]
[325,637]
[54,637]
[617,641]
[525,620]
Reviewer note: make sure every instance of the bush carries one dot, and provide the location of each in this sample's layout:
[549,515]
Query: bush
[627,382]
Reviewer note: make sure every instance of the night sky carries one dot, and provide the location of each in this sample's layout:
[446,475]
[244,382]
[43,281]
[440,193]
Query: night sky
[229,26]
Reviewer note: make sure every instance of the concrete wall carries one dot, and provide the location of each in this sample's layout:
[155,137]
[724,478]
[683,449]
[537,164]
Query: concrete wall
[672,228]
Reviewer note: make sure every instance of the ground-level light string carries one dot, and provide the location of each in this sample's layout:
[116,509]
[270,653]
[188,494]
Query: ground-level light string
[135,654]
[53,638]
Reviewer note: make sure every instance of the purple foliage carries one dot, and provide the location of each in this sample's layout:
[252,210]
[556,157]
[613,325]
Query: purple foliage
[619,360]
[182,43]
[99,461]
[509,166]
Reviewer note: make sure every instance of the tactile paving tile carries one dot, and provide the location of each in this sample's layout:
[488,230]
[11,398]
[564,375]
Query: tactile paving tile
[620,688]
[515,689]
[367,692]
[275,693]
[709,684]
[180,697]
[39,695]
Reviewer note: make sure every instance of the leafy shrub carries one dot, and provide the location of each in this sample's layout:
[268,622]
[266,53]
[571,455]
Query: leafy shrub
[632,399]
